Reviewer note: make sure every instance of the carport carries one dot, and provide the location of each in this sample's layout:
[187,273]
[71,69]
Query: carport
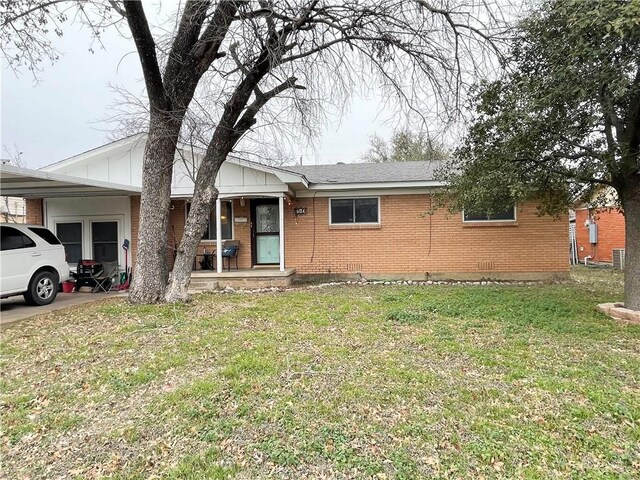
[91,217]
[29,183]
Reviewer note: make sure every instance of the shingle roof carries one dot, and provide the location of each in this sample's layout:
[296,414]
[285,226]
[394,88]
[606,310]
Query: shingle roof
[368,172]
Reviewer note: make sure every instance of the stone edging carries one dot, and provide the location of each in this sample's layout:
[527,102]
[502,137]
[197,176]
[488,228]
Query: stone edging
[618,312]
[371,282]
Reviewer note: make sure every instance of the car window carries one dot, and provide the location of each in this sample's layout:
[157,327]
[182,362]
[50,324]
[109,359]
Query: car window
[49,237]
[12,239]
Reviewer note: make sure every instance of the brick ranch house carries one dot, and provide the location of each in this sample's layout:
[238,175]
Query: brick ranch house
[610,234]
[294,222]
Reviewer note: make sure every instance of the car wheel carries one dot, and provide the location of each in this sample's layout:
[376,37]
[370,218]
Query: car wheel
[43,289]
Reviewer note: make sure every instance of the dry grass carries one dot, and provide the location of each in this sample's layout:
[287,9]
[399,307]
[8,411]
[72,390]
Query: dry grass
[357,382]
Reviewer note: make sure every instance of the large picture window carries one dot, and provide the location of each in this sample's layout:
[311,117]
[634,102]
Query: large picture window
[354,210]
[499,215]
[104,239]
[70,234]
[226,221]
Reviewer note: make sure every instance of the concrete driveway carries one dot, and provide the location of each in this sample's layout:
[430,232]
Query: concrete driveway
[14,309]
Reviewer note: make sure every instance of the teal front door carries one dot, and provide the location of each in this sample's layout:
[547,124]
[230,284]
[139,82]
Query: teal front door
[265,226]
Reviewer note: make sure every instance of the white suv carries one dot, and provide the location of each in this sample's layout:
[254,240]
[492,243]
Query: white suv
[32,263]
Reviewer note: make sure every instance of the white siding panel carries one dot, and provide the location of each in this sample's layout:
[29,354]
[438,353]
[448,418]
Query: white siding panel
[87,210]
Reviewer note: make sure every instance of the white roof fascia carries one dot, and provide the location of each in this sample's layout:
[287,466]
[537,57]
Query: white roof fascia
[283,174]
[75,184]
[374,185]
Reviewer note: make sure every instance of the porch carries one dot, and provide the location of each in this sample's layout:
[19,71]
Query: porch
[203,280]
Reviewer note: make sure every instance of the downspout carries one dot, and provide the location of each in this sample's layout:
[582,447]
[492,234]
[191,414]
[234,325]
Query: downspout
[585,259]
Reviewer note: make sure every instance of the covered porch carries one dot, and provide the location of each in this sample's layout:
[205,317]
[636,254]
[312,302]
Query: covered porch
[252,233]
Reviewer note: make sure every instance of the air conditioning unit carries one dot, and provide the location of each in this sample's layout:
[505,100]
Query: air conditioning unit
[618,258]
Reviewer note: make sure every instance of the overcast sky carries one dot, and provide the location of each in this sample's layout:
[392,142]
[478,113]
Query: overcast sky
[63,113]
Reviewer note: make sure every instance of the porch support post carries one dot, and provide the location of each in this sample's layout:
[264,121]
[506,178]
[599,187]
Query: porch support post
[281,215]
[218,235]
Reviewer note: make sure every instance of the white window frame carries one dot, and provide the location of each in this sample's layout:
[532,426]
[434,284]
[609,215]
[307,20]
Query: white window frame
[213,211]
[377,197]
[515,218]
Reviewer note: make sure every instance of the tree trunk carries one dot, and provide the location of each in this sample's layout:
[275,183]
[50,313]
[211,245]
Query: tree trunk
[180,277]
[631,204]
[150,272]
[204,196]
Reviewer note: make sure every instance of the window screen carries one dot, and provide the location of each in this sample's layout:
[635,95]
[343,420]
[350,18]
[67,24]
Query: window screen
[354,210]
[70,234]
[104,236]
[505,214]
[226,220]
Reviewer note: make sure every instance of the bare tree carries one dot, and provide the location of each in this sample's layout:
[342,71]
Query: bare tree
[13,209]
[294,56]
[405,146]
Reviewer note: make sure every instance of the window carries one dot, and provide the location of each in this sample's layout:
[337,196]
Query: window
[13,239]
[70,234]
[104,236]
[226,221]
[501,215]
[46,235]
[354,210]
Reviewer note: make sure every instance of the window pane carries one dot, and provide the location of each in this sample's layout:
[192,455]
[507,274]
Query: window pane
[105,252]
[341,210]
[226,220]
[13,239]
[104,231]
[73,252]
[503,214]
[506,214]
[69,232]
[366,210]
[46,235]
[105,241]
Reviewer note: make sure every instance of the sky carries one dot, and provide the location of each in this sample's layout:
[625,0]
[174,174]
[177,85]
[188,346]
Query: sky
[63,113]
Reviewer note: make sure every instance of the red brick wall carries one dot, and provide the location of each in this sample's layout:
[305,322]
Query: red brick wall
[35,211]
[611,232]
[406,241]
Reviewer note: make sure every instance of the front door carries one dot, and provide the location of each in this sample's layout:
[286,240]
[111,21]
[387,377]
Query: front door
[265,231]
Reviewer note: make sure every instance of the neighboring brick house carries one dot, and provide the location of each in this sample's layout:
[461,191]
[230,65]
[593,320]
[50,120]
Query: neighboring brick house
[346,220]
[611,233]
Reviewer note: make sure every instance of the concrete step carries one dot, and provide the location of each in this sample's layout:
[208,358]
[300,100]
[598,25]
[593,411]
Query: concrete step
[203,285]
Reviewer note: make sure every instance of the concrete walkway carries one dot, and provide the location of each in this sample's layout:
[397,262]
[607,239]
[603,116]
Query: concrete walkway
[14,309]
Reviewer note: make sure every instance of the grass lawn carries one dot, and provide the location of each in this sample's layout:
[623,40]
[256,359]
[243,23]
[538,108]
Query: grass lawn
[342,382]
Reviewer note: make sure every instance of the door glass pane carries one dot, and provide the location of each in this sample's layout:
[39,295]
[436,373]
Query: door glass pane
[105,241]
[70,234]
[341,210]
[366,210]
[267,220]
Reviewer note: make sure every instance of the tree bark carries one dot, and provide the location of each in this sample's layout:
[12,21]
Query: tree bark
[204,196]
[631,204]
[150,271]
[180,277]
